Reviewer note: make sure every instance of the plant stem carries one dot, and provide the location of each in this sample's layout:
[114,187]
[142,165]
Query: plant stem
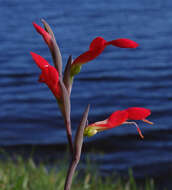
[71,172]
[64,105]
[69,136]
[78,142]
[68,126]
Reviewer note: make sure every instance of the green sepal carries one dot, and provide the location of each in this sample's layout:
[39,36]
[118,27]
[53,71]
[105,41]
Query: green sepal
[75,69]
[90,131]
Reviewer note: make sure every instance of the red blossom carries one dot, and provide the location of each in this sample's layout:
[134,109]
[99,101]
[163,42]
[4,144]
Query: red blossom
[49,74]
[98,45]
[118,118]
[46,36]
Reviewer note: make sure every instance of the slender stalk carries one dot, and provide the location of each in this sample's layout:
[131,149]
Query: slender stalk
[69,135]
[57,59]
[77,150]
[64,105]
[70,173]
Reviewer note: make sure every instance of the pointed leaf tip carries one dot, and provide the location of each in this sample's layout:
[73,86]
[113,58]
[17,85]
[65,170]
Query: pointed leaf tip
[80,132]
[66,77]
[48,28]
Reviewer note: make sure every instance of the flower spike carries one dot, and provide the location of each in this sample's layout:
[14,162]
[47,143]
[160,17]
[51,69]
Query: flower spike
[49,74]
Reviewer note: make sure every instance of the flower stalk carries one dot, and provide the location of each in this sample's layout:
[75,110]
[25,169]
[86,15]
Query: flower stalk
[61,85]
[77,149]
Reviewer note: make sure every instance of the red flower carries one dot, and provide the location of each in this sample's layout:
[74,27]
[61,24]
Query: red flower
[46,36]
[98,45]
[49,74]
[118,118]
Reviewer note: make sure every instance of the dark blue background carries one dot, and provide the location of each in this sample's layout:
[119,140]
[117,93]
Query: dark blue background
[117,79]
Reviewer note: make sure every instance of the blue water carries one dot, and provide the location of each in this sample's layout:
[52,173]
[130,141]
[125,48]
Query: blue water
[117,79]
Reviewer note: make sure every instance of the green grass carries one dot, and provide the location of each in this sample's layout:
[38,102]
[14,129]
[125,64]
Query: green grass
[25,175]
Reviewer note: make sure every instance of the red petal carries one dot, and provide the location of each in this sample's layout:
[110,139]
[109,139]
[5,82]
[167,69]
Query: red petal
[41,78]
[49,74]
[45,35]
[123,43]
[85,57]
[117,118]
[96,48]
[40,61]
[137,113]
[51,78]
[98,43]
[54,75]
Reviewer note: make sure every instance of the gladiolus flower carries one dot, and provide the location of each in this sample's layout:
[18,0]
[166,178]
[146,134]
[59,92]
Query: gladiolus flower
[49,74]
[118,118]
[46,36]
[97,46]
